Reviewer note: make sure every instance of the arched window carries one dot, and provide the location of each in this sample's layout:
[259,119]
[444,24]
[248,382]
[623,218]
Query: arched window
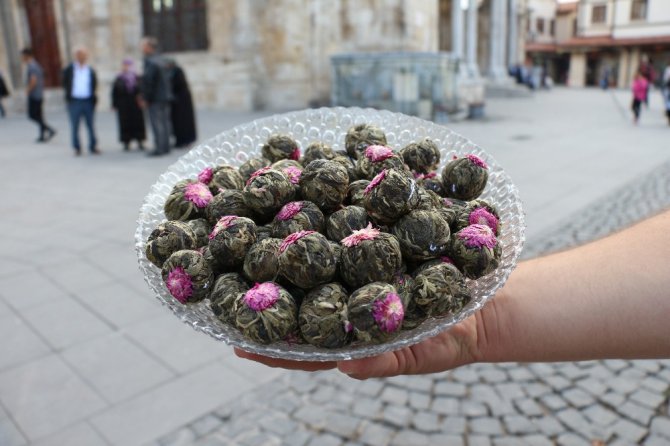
[179,25]
[638,10]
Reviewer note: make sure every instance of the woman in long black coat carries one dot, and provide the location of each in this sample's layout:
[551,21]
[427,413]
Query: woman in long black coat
[181,110]
[125,100]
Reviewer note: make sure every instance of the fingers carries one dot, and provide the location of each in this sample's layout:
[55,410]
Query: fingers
[308,366]
[386,364]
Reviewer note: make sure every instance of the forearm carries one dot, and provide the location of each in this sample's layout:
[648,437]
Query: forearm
[607,299]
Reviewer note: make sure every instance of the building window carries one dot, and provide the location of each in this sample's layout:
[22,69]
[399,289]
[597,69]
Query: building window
[539,26]
[179,25]
[552,27]
[638,10]
[599,14]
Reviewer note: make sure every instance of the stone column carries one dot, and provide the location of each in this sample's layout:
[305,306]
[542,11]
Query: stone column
[512,20]
[471,48]
[457,29]
[497,72]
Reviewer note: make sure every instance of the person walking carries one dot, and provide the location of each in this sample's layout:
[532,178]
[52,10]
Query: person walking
[4,92]
[35,94]
[156,95]
[181,108]
[666,90]
[640,86]
[79,83]
[126,102]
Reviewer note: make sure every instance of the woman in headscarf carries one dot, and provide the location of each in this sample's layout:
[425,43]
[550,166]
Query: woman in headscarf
[182,114]
[125,100]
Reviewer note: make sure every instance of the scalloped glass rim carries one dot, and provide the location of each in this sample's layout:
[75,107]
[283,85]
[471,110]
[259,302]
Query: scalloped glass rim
[330,125]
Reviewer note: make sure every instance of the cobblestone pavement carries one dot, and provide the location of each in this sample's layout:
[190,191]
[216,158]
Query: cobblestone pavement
[610,402]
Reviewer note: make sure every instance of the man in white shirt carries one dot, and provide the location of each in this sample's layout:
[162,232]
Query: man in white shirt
[80,82]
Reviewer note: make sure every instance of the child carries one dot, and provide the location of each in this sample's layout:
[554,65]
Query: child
[639,94]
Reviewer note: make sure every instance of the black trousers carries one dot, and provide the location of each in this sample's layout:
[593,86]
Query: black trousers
[35,114]
[636,108]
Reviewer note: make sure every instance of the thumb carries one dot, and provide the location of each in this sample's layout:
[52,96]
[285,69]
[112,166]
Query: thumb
[385,364]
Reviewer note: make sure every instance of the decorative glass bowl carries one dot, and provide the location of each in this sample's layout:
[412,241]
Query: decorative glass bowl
[329,125]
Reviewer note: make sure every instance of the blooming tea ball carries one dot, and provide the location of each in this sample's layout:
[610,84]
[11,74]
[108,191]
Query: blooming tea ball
[475,251]
[221,177]
[422,235]
[285,163]
[293,173]
[422,156]
[440,290]
[223,299]
[187,276]
[167,238]
[306,259]
[465,178]
[201,229]
[267,191]
[324,183]
[231,238]
[349,165]
[279,147]
[263,232]
[430,181]
[360,136]
[343,223]
[249,167]
[227,202]
[428,200]
[376,312]
[323,317]
[215,265]
[478,212]
[450,210]
[187,200]
[390,195]
[377,158]
[297,216]
[356,191]
[317,151]
[261,264]
[369,255]
[266,313]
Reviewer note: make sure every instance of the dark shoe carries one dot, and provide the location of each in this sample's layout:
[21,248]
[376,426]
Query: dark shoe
[95,151]
[155,153]
[41,140]
[140,145]
[77,152]
[50,134]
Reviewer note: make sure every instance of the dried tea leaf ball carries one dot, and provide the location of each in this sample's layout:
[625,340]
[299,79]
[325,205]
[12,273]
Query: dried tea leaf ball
[201,229]
[450,210]
[323,317]
[279,147]
[247,168]
[440,290]
[369,255]
[293,173]
[231,238]
[376,312]
[324,183]
[422,156]
[285,163]
[168,238]
[267,191]
[263,232]
[430,263]
[403,284]
[377,158]
[356,191]
[478,212]
[187,276]
[360,136]
[349,165]
[428,200]
[223,299]
[390,195]
[343,223]
[215,265]
[266,313]
[187,200]
[475,251]
[261,264]
[221,177]
[430,181]
[422,235]
[297,216]
[306,259]
[465,178]
[317,151]
[227,202]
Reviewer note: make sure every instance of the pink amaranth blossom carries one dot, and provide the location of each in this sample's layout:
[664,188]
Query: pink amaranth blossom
[224,223]
[348,327]
[198,194]
[481,216]
[367,233]
[477,236]
[446,259]
[292,238]
[257,173]
[262,296]
[295,155]
[447,202]
[375,181]
[289,210]
[429,175]
[179,284]
[293,173]
[206,175]
[388,312]
[477,160]
[377,153]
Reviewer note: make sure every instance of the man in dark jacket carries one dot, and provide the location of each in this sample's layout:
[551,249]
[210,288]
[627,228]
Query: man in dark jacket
[79,83]
[4,92]
[157,94]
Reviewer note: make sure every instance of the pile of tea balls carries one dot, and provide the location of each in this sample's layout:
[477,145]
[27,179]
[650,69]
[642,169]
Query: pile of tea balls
[329,247]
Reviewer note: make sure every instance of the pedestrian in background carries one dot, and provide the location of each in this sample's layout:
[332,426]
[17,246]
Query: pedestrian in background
[640,88]
[80,83]
[647,71]
[156,95]
[666,90]
[181,108]
[35,94]
[126,101]
[4,92]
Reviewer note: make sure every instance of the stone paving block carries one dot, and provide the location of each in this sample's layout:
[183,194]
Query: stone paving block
[9,432]
[655,440]
[427,422]
[410,438]
[599,415]
[447,440]
[371,387]
[650,365]
[302,384]
[549,425]
[506,441]
[181,437]
[366,408]
[479,440]
[493,376]
[281,425]
[323,394]
[520,373]
[466,375]
[536,440]
[486,425]
[629,430]
[600,372]
[510,391]
[80,434]
[571,371]
[660,425]
[518,424]
[633,373]
[557,382]
[614,399]
[375,434]
[553,402]
[394,395]
[542,370]
[636,412]
[616,364]
[578,398]
[312,415]
[576,422]
[535,390]
[325,440]
[204,425]
[419,400]
[473,409]
[419,384]
[298,438]
[446,406]
[655,384]
[499,407]
[26,344]
[593,386]
[222,441]
[483,393]
[399,416]
[571,439]
[454,425]
[450,388]
[529,407]
[647,398]
[286,403]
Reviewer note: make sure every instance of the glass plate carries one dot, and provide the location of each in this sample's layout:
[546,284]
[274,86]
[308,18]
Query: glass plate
[329,125]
